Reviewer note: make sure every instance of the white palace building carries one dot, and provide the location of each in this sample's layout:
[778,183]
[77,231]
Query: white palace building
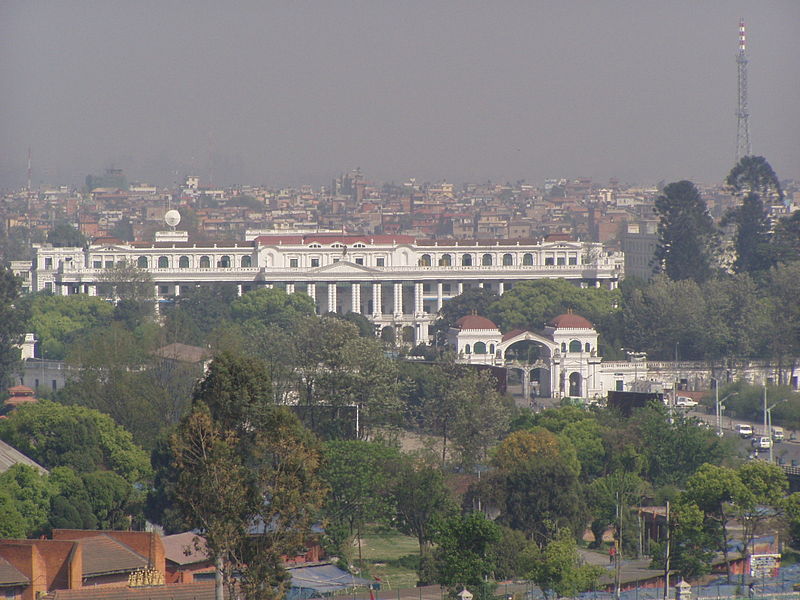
[393,280]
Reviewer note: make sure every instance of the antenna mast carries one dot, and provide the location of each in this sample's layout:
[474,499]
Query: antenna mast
[742,113]
[29,169]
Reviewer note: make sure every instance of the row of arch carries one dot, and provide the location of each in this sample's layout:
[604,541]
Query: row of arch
[479,348]
[184,262]
[576,346]
[467,260]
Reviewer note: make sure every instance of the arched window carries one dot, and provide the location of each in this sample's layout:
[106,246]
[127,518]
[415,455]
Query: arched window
[225,262]
[563,346]
[588,347]
[425,260]
[527,259]
[247,261]
[205,262]
[183,262]
[491,348]
[486,261]
[480,348]
[446,260]
[466,260]
[575,385]
[574,346]
[508,260]
[163,262]
[466,349]
[141,262]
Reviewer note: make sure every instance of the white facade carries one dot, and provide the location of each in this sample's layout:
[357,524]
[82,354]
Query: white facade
[392,280]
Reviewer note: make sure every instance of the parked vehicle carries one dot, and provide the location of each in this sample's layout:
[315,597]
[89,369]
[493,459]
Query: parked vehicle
[762,442]
[744,430]
[777,434]
[685,402]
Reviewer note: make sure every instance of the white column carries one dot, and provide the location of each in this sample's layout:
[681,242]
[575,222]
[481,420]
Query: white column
[355,298]
[239,289]
[439,299]
[92,289]
[501,288]
[398,298]
[377,299]
[312,292]
[290,288]
[480,284]
[460,288]
[177,289]
[418,304]
[156,291]
[332,297]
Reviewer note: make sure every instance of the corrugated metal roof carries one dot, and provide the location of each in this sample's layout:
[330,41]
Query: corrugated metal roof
[10,456]
[173,591]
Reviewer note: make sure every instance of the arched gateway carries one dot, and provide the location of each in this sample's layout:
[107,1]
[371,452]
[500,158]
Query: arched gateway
[560,361]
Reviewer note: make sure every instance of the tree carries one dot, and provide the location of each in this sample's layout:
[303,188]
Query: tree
[10,325]
[246,477]
[421,498]
[530,303]
[25,495]
[360,477]
[74,436]
[685,232]
[204,308]
[715,490]
[558,569]
[471,301]
[126,281]
[210,493]
[463,554]
[754,175]
[752,240]
[57,321]
[272,305]
[692,543]
[786,238]
[64,235]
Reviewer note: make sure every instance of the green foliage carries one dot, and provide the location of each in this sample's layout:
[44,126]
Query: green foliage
[58,321]
[463,553]
[360,476]
[11,328]
[27,494]
[529,304]
[673,448]
[685,232]
[421,497]
[752,238]
[558,569]
[471,301]
[272,306]
[64,235]
[692,542]
[754,175]
[200,310]
[74,436]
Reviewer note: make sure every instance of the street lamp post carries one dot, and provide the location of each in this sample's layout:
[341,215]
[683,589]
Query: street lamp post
[769,423]
[720,408]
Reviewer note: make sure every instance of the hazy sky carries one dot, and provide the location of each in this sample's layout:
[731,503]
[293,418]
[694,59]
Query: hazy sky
[297,92]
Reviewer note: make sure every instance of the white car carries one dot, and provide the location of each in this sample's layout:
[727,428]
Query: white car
[761,442]
[685,402]
[744,430]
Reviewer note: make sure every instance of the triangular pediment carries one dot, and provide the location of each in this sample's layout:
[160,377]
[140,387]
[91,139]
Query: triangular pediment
[344,266]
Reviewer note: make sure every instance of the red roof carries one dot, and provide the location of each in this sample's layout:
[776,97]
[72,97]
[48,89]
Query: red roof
[20,390]
[474,322]
[512,333]
[570,321]
[331,238]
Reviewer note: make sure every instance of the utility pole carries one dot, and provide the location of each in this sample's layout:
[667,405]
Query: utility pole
[666,558]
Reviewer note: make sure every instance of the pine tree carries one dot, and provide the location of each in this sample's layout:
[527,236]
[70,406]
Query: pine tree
[686,233]
[752,238]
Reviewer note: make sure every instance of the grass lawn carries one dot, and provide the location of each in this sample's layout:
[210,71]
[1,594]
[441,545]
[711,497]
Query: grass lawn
[382,550]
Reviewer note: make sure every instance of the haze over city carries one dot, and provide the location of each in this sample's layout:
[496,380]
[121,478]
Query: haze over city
[289,93]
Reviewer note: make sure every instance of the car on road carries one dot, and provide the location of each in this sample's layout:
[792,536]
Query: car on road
[761,442]
[745,430]
[777,434]
[685,402]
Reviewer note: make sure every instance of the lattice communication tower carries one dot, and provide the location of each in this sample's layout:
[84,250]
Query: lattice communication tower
[742,113]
